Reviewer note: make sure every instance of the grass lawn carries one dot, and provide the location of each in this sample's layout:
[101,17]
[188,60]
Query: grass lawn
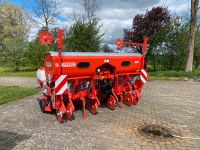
[10,93]
[22,73]
[174,75]
[150,77]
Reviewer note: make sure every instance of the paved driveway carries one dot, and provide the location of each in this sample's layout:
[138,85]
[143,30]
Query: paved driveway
[28,82]
[175,105]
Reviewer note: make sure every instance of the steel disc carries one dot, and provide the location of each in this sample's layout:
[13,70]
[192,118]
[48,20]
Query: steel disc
[69,113]
[138,85]
[93,108]
[111,102]
[128,99]
[135,99]
[59,116]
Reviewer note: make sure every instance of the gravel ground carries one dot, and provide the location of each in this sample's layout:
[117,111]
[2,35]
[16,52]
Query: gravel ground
[172,104]
[28,82]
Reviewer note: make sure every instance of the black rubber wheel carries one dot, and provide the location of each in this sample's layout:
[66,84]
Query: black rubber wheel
[42,105]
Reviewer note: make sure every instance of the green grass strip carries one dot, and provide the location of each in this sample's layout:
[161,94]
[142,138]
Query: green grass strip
[11,93]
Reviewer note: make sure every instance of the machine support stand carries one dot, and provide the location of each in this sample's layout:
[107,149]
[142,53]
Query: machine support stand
[84,110]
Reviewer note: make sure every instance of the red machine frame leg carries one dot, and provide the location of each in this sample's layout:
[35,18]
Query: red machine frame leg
[84,110]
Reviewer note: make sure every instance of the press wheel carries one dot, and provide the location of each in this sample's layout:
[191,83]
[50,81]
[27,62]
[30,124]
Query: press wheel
[93,108]
[111,102]
[59,116]
[128,99]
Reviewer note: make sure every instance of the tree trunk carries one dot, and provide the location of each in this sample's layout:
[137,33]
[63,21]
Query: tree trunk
[194,8]
[189,63]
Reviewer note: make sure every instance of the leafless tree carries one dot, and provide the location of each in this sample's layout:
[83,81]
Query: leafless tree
[192,31]
[90,8]
[44,13]
[76,16]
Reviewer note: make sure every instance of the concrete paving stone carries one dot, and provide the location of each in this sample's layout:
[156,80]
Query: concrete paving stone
[156,147]
[173,104]
[145,147]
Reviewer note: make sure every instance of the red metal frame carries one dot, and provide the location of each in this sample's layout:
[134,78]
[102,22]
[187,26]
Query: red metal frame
[128,91]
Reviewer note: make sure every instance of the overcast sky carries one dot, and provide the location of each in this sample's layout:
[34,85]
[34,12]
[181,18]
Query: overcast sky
[115,14]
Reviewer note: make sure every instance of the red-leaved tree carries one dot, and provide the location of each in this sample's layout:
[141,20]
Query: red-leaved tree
[150,24]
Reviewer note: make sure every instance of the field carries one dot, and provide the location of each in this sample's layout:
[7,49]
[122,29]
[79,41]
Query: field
[174,75]
[24,72]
